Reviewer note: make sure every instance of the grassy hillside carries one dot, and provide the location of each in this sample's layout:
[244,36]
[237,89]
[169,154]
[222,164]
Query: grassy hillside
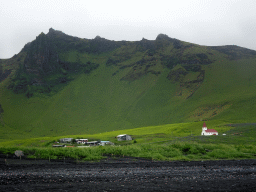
[135,84]
[167,142]
[152,134]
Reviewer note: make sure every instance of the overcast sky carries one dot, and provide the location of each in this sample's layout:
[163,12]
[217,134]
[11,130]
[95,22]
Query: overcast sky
[204,22]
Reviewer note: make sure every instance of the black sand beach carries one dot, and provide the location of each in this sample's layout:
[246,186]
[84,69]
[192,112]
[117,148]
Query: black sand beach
[127,174]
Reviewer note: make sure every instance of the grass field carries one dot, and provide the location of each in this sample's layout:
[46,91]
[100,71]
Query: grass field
[141,135]
[168,142]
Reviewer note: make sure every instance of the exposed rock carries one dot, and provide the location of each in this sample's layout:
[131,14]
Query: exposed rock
[177,75]
[145,44]
[164,39]
[170,61]
[100,45]
[42,56]
[4,74]
[162,36]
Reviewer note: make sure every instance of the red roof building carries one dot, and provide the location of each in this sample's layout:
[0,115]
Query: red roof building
[207,132]
[211,131]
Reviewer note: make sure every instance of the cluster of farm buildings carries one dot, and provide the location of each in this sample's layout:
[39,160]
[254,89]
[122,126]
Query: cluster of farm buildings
[123,137]
[86,143]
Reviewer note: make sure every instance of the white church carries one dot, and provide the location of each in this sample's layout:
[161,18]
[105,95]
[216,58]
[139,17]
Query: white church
[207,132]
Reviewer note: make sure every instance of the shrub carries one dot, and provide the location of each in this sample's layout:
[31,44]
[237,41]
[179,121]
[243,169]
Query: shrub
[8,150]
[169,151]
[197,149]
[229,153]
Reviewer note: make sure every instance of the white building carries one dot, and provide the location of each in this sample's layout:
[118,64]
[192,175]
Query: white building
[208,132]
[103,143]
[123,137]
[81,141]
[66,140]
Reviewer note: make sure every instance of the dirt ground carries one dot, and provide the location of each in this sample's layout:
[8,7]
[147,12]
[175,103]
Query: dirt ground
[127,174]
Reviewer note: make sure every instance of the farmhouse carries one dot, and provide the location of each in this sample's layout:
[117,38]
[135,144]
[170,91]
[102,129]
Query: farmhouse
[123,137]
[208,132]
[81,141]
[92,143]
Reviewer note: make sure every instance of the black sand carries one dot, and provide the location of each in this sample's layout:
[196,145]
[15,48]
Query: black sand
[125,174]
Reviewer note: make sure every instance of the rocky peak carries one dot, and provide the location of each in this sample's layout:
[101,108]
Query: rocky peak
[98,37]
[55,33]
[51,30]
[41,55]
[162,37]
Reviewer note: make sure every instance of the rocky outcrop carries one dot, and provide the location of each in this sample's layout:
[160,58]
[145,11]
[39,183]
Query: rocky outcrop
[41,59]
[4,73]
[177,75]
[101,45]
[145,44]
[42,56]
[163,40]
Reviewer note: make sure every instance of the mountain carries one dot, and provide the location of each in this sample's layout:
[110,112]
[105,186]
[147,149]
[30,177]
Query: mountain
[59,84]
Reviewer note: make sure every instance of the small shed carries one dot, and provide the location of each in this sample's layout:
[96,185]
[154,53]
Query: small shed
[103,143]
[123,137]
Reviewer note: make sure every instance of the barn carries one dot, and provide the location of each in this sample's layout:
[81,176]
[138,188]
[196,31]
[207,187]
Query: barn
[123,137]
[207,132]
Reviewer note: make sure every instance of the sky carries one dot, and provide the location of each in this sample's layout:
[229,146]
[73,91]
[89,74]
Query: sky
[204,22]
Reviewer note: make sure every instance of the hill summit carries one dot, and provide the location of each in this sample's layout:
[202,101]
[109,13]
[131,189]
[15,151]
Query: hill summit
[59,84]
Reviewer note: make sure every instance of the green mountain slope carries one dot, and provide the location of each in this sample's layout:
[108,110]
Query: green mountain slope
[62,85]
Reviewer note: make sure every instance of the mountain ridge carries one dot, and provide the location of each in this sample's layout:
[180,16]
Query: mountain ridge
[67,84]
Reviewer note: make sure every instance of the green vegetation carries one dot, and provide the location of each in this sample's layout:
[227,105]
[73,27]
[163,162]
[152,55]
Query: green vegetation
[156,143]
[176,151]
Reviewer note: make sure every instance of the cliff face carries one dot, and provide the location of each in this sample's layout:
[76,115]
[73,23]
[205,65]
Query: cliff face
[41,60]
[42,57]
[42,67]
[4,73]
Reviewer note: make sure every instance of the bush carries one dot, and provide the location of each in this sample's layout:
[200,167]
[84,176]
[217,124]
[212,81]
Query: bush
[8,150]
[229,153]
[169,151]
